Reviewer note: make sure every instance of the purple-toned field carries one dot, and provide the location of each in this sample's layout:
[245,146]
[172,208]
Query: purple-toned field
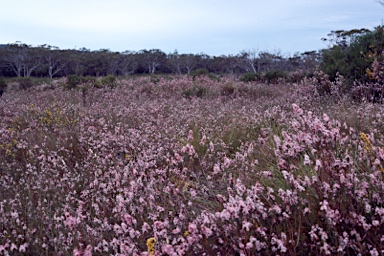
[190,167]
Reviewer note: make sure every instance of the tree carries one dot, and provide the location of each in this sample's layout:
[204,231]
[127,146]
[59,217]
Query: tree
[152,59]
[188,62]
[174,63]
[351,52]
[54,59]
[249,61]
[22,59]
[14,57]
[128,63]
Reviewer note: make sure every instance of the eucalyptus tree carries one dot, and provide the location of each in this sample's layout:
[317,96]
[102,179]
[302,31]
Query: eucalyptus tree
[128,63]
[54,59]
[152,59]
[174,62]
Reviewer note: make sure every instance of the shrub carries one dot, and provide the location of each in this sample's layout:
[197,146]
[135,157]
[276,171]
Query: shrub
[73,81]
[203,72]
[199,72]
[228,89]
[196,91]
[25,83]
[155,79]
[168,176]
[88,79]
[109,81]
[351,59]
[3,84]
[274,76]
[297,76]
[250,77]
[322,82]
[373,90]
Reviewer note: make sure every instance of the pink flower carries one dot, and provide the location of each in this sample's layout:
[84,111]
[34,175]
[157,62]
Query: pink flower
[190,135]
[307,160]
[227,162]
[206,231]
[225,214]
[168,249]
[22,247]
[88,251]
[176,231]
[297,110]
[203,139]
[216,169]
[192,228]
[325,118]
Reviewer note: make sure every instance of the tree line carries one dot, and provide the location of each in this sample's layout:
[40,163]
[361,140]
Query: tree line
[350,53]
[23,60]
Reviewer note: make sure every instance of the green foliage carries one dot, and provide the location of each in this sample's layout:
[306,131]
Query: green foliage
[274,75]
[196,91]
[88,79]
[203,72]
[250,77]
[155,79]
[298,76]
[228,89]
[3,84]
[199,72]
[73,81]
[25,83]
[351,58]
[109,81]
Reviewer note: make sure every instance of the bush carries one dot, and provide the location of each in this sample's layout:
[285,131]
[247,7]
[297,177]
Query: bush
[73,81]
[274,75]
[25,83]
[228,90]
[203,72]
[109,81]
[352,59]
[199,72]
[373,90]
[88,79]
[196,91]
[3,84]
[133,176]
[297,76]
[250,77]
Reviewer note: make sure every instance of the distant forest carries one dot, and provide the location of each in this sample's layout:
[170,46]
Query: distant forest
[349,53]
[23,60]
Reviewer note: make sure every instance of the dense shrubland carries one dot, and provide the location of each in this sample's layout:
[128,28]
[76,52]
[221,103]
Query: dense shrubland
[274,161]
[191,166]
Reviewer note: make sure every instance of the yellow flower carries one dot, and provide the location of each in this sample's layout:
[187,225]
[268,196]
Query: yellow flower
[186,233]
[151,242]
[368,145]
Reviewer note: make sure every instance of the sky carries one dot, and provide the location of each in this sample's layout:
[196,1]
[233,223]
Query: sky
[213,27]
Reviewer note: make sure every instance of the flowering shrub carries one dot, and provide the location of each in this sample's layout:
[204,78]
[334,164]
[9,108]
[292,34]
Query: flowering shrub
[373,89]
[142,170]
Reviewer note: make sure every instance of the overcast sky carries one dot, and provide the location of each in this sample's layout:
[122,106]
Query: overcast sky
[213,27]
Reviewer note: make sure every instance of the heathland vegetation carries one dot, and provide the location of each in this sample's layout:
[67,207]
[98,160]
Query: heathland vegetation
[230,156]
